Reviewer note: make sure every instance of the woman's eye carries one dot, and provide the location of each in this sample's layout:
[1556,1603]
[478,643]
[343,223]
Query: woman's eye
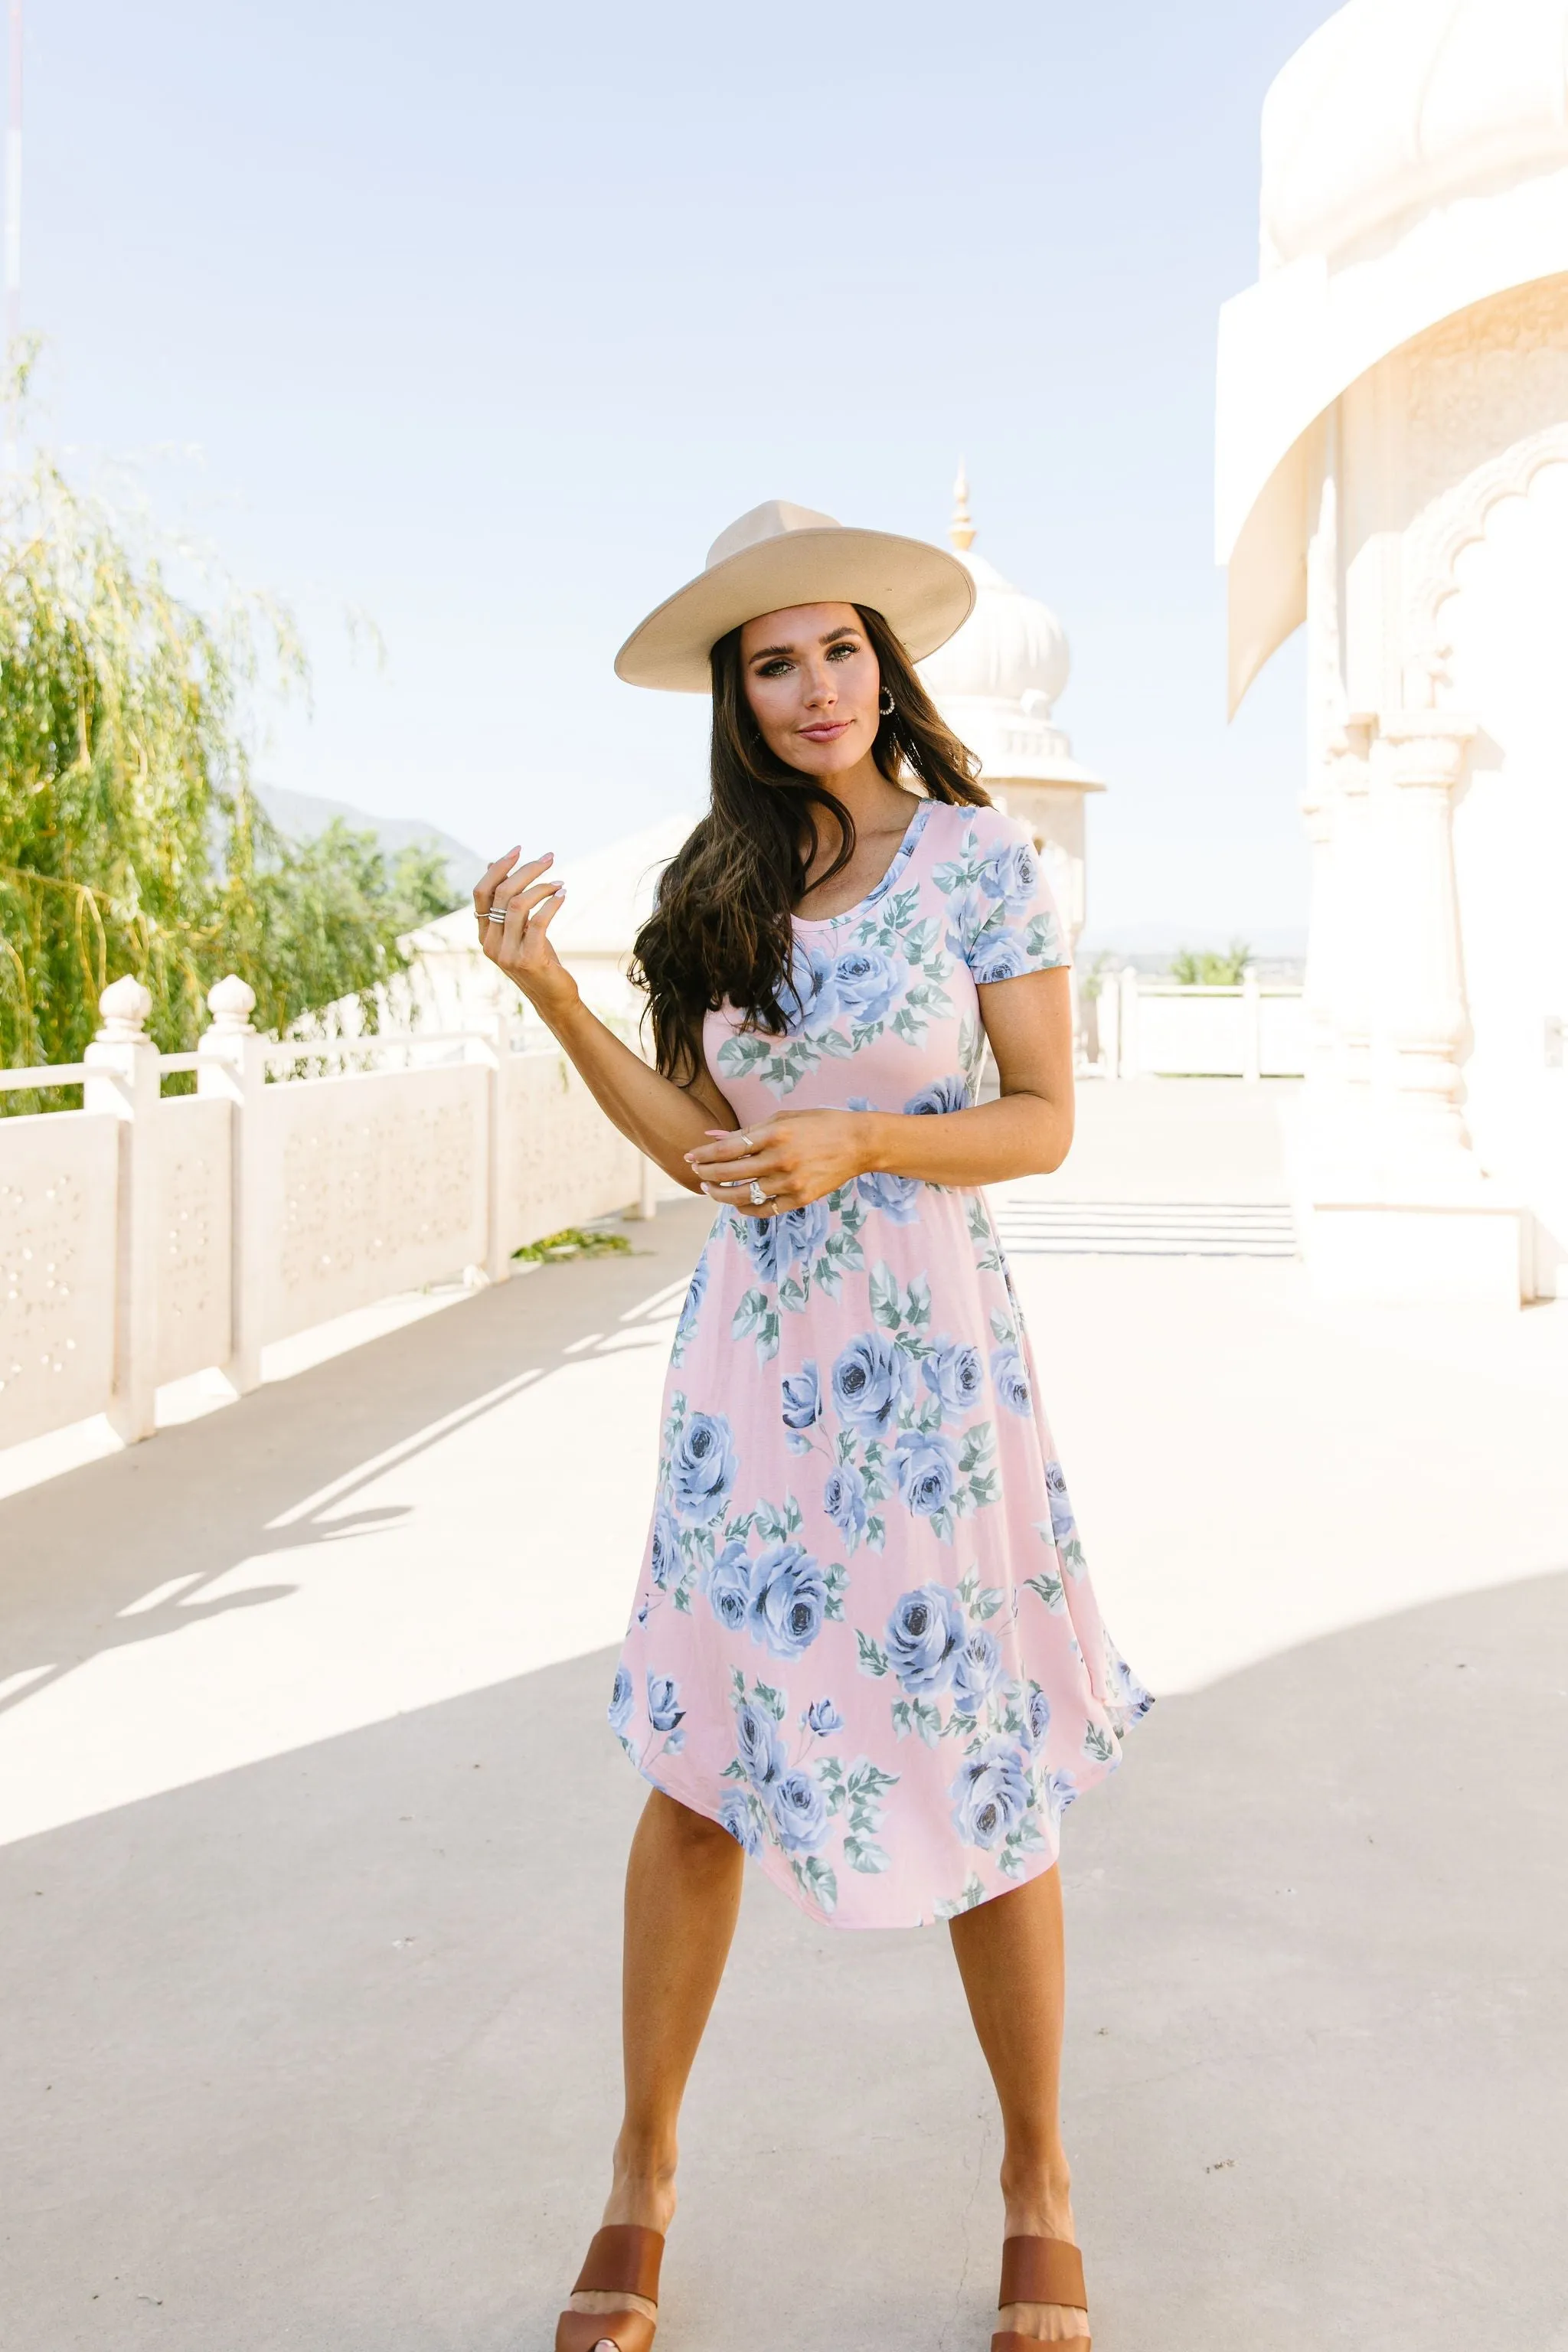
[842,653]
[773,670]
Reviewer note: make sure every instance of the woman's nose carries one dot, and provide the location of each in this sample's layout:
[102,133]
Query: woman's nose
[820,687]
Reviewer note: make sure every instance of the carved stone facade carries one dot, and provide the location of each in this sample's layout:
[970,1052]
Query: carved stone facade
[57,1270]
[1418,523]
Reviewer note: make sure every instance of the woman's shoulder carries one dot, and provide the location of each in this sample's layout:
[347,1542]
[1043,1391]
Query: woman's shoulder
[961,833]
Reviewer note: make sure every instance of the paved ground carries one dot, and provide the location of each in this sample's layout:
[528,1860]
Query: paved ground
[312,1836]
[321,2053]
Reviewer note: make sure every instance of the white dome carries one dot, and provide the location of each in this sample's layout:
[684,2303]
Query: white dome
[1393,105]
[1011,648]
[996,680]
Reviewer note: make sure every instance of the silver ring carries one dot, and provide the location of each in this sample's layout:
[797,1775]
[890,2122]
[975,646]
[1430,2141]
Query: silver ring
[745,1140]
[491,916]
[759,1198]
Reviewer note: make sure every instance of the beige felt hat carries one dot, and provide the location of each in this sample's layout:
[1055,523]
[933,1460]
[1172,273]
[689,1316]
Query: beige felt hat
[780,556]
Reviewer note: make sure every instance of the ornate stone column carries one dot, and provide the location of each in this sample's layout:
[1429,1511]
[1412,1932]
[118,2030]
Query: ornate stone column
[1422,1025]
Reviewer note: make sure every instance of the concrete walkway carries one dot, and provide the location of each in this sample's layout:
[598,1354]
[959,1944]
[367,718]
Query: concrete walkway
[308,1907]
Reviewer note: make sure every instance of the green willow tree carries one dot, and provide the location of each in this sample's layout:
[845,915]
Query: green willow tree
[130,840]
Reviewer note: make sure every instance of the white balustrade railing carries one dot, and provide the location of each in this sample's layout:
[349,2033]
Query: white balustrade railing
[1160,1028]
[144,1239]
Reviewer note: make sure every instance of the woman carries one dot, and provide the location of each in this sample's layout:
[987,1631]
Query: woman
[864,1650]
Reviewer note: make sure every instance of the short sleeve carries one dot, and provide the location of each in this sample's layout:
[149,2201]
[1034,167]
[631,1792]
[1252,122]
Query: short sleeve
[1002,918]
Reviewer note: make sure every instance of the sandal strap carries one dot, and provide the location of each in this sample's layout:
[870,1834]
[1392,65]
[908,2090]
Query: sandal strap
[582,2331]
[622,2260]
[1042,2269]
[1010,2341]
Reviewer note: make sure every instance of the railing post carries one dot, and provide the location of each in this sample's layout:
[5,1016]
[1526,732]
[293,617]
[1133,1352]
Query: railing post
[1108,1026]
[491,1047]
[1251,1026]
[127,1090]
[1128,1023]
[234,1067]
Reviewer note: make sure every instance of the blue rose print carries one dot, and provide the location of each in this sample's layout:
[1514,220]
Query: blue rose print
[702,1468]
[864,981]
[735,1815]
[1000,957]
[991,1794]
[1012,1380]
[976,1670]
[758,1744]
[764,1246]
[924,1634]
[620,1707]
[822,1717]
[691,1306]
[802,1398]
[942,1095]
[872,1378]
[788,1599]
[663,1710]
[664,1558]
[1011,874]
[925,1464]
[800,1813]
[1062,1521]
[897,1197]
[802,1232]
[955,1374]
[844,1499]
[810,985]
[1037,1715]
[730,1586]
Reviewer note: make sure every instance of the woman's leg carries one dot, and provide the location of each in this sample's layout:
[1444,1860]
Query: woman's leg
[1009,1954]
[683,1892]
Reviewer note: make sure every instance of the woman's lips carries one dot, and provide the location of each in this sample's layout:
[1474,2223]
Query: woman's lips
[827,733]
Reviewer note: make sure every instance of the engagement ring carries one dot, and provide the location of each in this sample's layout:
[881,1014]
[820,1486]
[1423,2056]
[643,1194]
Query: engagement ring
[759,1198]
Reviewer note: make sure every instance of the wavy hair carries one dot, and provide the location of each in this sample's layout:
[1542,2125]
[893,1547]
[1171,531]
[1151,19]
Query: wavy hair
[721,922]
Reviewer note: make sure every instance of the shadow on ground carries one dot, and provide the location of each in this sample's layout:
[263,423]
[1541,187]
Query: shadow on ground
[198,1500]
[321,2054]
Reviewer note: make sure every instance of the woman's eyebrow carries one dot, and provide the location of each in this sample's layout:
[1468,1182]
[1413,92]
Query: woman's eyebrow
[769,652]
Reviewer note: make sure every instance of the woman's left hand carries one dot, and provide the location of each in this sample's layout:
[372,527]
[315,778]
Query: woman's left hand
[796,1158]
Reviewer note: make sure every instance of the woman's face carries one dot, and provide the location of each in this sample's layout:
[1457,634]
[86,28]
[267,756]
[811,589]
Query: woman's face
[814,685]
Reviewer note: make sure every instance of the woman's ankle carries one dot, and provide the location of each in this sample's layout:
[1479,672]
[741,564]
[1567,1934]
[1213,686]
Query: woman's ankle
[642,2188]
[1037,2196]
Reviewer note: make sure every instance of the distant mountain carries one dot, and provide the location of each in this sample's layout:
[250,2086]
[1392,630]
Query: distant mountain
[303,815]
[1139,942]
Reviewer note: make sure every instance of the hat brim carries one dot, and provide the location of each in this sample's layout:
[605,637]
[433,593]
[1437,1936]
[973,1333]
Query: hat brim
[922,593]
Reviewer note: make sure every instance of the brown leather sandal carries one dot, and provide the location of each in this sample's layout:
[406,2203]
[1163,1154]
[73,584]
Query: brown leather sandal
[1040,2270]
[622,2260]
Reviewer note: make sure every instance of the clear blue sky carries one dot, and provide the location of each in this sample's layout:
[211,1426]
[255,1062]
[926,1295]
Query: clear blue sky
[484,320]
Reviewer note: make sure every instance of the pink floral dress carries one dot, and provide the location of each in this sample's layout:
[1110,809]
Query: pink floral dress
[865,1639]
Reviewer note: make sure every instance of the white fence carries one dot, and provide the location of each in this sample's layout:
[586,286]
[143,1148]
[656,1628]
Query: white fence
[142,1239]
[1154,1028]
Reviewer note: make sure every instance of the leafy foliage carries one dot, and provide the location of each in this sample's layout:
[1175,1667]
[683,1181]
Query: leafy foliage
[1194,968]
[130,840]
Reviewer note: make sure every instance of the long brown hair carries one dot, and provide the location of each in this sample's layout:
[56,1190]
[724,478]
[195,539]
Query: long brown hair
[721,922]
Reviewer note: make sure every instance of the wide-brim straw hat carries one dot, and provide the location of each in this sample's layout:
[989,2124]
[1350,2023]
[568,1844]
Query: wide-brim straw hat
[780,556]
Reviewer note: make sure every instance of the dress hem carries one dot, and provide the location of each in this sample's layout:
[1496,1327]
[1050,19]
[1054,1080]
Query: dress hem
[778,1874]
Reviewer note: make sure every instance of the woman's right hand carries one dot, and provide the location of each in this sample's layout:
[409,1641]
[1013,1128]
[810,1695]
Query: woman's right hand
[520,946]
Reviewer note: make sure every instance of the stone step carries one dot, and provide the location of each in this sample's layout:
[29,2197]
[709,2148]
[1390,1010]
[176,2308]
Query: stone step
[1145,1228]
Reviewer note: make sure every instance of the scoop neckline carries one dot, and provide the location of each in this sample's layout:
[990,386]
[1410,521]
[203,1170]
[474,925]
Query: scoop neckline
[901,858]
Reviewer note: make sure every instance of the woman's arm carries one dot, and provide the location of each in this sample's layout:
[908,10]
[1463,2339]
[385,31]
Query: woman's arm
[798,1156]
[661,1118]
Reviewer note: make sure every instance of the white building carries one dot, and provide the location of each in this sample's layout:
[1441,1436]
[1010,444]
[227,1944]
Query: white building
[609,896]
[996,684]
[1393,472]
